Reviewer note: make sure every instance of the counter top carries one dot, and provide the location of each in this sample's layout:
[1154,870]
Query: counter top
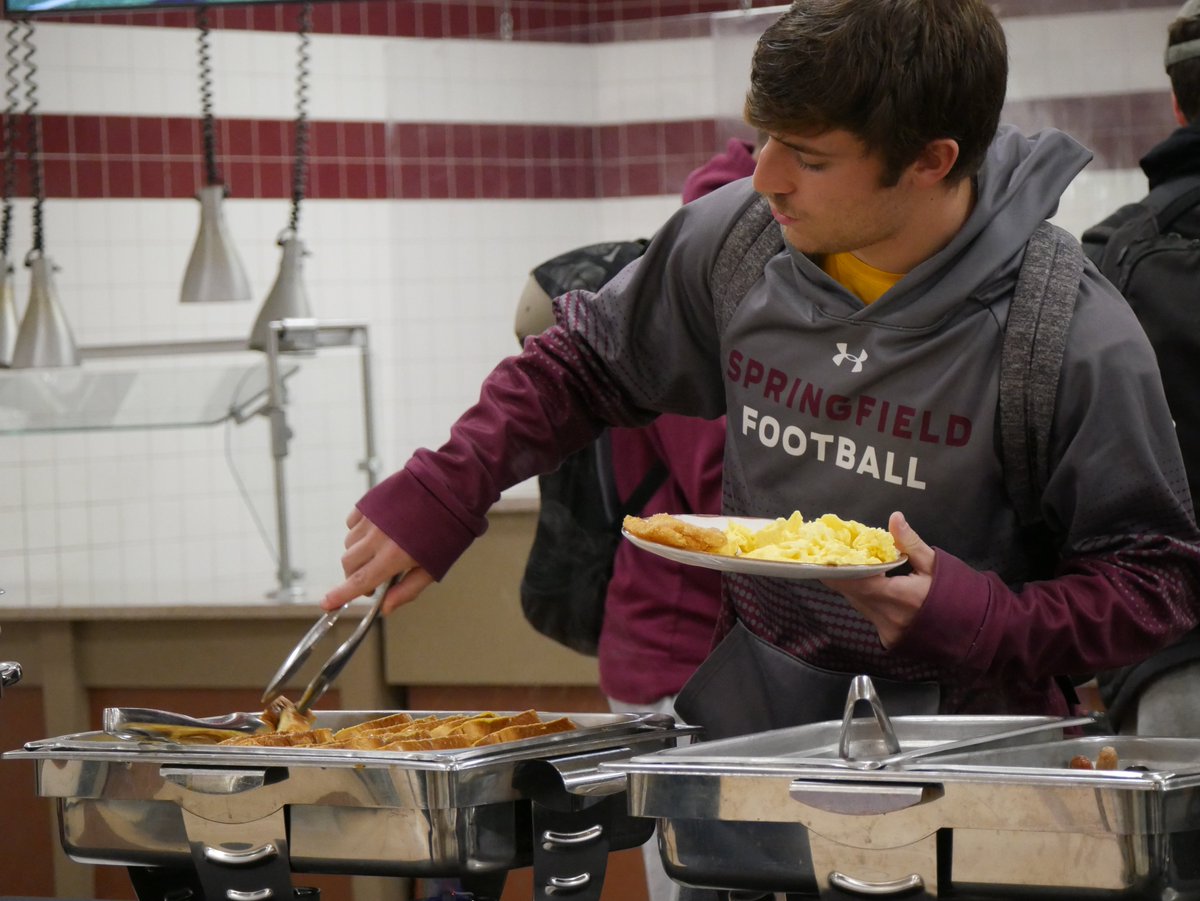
[466,630]
[305,611]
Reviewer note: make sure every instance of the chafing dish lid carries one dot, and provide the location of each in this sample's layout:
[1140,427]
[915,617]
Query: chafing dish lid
[812,751]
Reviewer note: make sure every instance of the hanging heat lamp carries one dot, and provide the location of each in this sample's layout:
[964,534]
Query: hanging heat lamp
[288,298]
[214,270]
[44,338]
[9,320]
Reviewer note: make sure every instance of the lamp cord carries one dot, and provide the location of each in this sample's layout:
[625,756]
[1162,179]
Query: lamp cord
[506,20]
[10,136]
[299,164]
[35,140]
[206,96]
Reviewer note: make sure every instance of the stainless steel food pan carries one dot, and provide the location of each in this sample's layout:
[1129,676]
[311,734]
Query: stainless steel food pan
[785,811]
[440,813]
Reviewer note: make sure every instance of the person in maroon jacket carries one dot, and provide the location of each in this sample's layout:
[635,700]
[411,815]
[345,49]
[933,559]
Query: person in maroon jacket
[659,615]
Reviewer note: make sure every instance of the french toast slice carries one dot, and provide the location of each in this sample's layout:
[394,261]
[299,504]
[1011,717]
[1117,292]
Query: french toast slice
[390,722]
[283,739]
[477,727]
[403,732]
[526,730]
[442,743]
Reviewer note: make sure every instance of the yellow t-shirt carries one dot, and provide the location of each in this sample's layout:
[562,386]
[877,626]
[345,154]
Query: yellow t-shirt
[865,282]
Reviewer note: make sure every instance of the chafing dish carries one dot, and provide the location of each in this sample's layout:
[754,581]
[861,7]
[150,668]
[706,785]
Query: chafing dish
[989,808]
[236,822]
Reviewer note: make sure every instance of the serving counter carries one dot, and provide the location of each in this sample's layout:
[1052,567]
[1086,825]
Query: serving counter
[463,645]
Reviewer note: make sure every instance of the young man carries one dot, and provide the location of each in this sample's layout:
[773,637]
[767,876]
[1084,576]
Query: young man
[859,376]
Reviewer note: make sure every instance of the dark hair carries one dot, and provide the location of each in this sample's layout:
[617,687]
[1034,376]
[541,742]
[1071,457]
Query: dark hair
[895,73]
[1185,74]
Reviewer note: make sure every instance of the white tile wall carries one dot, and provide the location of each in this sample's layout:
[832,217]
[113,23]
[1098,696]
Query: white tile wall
[187,515]
[1085,54]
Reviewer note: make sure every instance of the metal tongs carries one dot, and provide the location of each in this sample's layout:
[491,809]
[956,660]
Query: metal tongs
[148,724]
[337,661]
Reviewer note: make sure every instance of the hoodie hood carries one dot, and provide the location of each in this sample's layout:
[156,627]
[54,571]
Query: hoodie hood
[1177,156]
[1018,186]
[736,162]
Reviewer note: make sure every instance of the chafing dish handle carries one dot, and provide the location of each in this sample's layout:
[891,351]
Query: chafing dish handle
[858,887]
[861,799]
[257,895]
[240,857]
[225,781]
[578,774]
[863,689]
[557,885]
[552,840]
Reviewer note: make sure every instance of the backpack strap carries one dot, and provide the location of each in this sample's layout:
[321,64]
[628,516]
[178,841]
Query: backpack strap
[1035,339]
[754,239]
[615,509]
[1166,203]
[650,483]
[1172,199]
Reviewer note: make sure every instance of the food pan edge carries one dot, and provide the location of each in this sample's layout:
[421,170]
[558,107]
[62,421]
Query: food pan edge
[595,730]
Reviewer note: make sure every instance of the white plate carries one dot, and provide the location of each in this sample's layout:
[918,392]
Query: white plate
[780,569]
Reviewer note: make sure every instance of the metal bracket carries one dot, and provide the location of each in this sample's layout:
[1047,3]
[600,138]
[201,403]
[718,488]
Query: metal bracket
[241,861]
[570,854]
[307,336]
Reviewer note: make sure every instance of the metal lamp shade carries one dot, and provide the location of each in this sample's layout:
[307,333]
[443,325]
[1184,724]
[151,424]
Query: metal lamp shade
[288,298]
[214,271]
[44,338]
[9,322]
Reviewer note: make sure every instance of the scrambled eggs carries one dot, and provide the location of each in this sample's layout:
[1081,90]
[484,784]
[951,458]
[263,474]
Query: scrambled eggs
[826,541]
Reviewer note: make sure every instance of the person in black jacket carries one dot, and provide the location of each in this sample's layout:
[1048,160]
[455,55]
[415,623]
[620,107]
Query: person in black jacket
[1146,250]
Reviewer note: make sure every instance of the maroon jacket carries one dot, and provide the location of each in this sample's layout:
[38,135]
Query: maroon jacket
[659,615]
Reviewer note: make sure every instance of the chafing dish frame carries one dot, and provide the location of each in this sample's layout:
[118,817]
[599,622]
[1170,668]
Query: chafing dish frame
[782,812]
[238,821]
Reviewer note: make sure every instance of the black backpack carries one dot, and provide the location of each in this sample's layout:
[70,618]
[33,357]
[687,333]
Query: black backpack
[570,564]
[1142,249]
[579,518]
[578,528]
[1157,269]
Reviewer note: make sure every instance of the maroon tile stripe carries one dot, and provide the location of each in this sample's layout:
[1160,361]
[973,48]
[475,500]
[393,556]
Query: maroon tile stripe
[89,156]
[532,19]
[582,21]
[143,157]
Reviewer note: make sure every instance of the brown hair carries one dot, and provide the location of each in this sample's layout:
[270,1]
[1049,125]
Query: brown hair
[1185,74]
[895,73]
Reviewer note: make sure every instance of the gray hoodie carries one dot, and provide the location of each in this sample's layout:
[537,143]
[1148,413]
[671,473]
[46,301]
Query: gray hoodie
[858,410]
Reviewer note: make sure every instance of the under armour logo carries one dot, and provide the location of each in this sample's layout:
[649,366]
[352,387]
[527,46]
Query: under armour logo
[843,354]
